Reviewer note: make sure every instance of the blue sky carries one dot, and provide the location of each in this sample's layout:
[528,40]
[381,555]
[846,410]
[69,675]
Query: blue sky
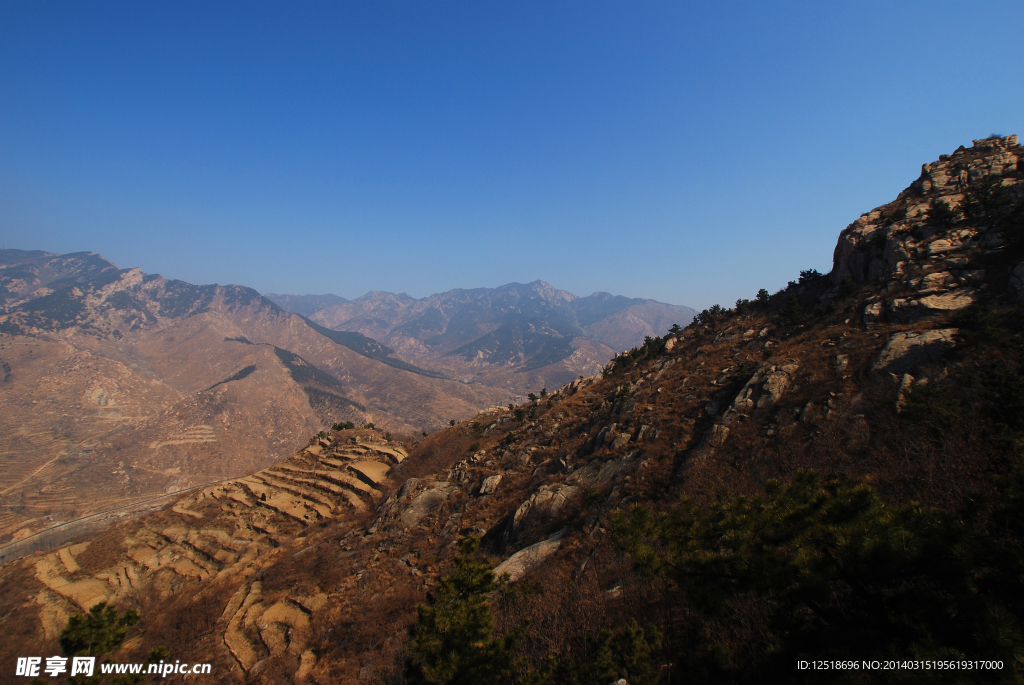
[688,152]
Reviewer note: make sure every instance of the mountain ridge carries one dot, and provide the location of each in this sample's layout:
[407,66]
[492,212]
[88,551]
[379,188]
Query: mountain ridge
[516,336]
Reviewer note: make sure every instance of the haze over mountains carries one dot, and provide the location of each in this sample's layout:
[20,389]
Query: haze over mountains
[118,385]
[516,336]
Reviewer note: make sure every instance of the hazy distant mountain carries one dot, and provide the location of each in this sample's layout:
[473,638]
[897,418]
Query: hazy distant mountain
[515,336]
[305,305]
[117,385]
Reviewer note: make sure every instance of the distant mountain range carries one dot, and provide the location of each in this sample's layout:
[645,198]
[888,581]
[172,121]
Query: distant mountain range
[515,336]
[117,385]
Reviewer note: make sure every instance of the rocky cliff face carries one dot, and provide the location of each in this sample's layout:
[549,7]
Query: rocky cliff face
[921,408]
[933,248]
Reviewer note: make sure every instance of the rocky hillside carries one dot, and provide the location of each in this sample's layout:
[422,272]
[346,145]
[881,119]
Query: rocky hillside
[118,386]
[518,337]
[830,472]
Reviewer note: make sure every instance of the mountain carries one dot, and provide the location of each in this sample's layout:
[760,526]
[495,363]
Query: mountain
[119,386]
[519,337]
[834,470]
[305,305]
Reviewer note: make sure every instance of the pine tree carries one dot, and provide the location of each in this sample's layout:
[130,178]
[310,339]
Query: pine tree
[97,632]
[452,641]
[838,575]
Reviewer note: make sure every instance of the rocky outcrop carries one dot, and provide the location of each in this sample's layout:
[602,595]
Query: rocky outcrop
[762,391]
[905,351]
[527,559]
[1017,279]
[930,265]
[425,503]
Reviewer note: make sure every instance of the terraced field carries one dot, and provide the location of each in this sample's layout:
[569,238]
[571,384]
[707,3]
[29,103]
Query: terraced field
[227,532]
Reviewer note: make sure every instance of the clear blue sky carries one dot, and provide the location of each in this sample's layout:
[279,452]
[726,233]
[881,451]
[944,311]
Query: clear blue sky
[689,152]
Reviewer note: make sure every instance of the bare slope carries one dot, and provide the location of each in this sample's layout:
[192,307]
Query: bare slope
[118,386]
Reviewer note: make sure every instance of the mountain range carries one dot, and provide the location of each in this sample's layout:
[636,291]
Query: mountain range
[119,385]
[519,337]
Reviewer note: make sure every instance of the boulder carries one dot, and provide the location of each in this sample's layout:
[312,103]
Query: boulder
[957,299]
[763,390]
[490,484]
[873,312]
[904,351]
[425,503]
[529,558]
[1017,279]
[620,441]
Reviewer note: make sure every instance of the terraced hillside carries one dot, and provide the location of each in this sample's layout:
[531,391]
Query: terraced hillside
[224,535]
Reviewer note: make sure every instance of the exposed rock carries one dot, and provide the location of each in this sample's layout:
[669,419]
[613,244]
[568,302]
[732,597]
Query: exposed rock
[620,441]
[904,351]
[529,558]
[881,246]
[713,438]
[1017,279]
[598,472]
[603,435]
[906,383]
[763,390]
[545,503]
[490,484]
[425,503]
[873,313]
[950,301]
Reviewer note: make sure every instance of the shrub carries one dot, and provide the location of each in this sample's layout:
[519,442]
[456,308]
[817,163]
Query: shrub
[941,215]
[847,286]
[762,296]
[630,655]
[452,641]
[100,631]
[835,571]
[808,275]
[793,312]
